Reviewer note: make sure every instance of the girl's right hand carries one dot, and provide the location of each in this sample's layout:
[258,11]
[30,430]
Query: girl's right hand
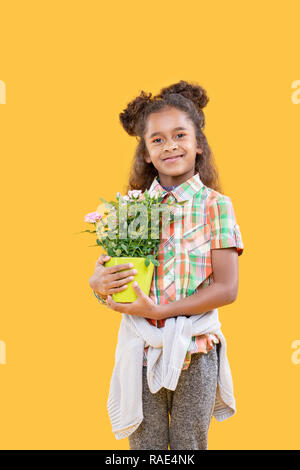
[110,280]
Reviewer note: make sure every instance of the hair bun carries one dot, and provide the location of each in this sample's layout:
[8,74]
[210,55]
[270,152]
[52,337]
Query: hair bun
[189,90]
[130,115]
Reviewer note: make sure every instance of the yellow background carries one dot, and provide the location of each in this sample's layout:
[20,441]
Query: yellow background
[70,68]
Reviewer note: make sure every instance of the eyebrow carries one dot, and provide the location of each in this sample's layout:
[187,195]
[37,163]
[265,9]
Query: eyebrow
[175,129]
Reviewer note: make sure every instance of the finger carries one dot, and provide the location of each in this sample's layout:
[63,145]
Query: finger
[124,276]
[119,307]
[117,289]
[109,301]
[118,267]
[137,287]
[119,282]
[112,303]
[103,258]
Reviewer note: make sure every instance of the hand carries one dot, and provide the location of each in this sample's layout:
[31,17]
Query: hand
[112,279]
[143,306]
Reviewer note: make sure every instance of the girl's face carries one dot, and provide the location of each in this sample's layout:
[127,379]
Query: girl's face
[171,142]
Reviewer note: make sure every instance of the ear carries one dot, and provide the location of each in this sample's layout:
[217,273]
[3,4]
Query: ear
[146,155]
[199,150]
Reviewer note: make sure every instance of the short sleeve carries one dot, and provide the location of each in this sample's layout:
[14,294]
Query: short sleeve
[225,232]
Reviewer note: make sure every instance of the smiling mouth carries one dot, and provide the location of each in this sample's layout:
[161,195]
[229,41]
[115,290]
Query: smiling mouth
[173,159]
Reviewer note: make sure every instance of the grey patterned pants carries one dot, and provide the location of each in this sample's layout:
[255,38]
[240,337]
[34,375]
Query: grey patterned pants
[189,407]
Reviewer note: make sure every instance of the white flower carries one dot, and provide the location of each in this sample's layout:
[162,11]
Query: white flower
[153,193]
[134,193]
[126,198]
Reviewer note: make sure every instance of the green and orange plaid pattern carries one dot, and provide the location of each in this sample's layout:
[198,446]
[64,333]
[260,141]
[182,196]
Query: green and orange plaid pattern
[206,221]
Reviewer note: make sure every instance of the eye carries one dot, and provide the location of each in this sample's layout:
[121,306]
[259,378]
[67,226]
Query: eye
[158,138]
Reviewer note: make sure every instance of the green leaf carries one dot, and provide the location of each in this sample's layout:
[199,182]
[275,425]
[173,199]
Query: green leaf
[90,231]
[147,262]
[114,203]
[155,262]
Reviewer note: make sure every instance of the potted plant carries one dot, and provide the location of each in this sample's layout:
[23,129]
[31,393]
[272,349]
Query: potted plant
[129,231]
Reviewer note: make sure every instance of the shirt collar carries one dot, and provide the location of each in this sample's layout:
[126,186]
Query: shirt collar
[183,191]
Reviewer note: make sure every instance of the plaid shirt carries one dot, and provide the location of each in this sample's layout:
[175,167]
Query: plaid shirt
[206,221]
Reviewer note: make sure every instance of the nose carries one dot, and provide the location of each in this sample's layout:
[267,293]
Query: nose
[170,145]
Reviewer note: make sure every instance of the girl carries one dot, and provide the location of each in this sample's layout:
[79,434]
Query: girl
[181,388]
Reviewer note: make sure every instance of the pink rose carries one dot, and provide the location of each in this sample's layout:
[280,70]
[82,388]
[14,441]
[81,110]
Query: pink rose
[92,217]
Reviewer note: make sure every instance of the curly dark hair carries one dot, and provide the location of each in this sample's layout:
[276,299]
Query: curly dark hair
[186,96]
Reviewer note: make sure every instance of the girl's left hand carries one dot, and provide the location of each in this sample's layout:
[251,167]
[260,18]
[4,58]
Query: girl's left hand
[143,306]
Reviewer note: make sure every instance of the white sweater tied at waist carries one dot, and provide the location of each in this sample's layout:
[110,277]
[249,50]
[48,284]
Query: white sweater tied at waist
[165,358]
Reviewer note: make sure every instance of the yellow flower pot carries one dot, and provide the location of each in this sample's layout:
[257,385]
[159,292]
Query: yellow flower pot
[143,278]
